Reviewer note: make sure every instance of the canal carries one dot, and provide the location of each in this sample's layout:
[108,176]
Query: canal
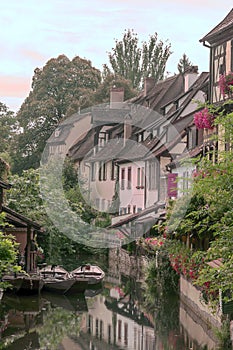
[133,309]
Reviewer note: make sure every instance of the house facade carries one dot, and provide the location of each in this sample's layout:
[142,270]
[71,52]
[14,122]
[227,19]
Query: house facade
[23,229]
[123,159]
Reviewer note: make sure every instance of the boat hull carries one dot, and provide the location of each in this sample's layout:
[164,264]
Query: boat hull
[79,286]
[92,273]
[58,286]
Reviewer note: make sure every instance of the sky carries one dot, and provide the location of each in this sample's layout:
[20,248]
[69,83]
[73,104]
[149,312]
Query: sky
[32,32]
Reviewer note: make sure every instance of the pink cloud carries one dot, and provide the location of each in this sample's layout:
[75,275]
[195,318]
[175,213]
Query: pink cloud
[11,86]
[32,55]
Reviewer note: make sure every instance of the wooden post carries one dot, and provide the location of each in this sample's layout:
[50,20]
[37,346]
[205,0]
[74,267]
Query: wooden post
[28,249]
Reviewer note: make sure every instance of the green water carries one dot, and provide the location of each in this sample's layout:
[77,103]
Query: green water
[126,312]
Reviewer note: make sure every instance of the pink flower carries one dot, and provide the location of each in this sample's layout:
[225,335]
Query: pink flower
[225,83]
[203,119]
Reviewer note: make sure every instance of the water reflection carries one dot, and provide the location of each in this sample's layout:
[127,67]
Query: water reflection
[123,313]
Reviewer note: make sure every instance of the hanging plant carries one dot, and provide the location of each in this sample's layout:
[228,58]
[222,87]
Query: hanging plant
[226,84]
[204,119]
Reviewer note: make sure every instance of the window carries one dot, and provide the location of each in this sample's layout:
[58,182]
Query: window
[102,171]
[152,176]
[109,333]
[134,209]
[123,211]
[140,137]
[92,171]
[172,185]
[129,209]
[126,334]
[97,203]
[57,132]
[90,324]
[192,137]
[138,177]
[122,178]
[101,329]
[113,171]
[142,177]
[102,139]
[119,329]
[185,180]
[129,178]
[97,327]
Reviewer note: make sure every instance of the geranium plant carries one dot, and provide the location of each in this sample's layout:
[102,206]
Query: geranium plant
[203,119]
[226,84]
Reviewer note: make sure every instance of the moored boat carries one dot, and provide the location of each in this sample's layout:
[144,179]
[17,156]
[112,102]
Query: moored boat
[93,273]
[56,279]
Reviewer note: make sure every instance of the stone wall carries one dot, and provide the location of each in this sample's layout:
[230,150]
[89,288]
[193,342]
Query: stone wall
[195,315]
[129,265]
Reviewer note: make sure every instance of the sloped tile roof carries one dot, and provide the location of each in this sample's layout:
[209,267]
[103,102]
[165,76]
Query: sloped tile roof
[161,93]
[223,26]
[152,209]
[83,147]
[16,217]
[109,152]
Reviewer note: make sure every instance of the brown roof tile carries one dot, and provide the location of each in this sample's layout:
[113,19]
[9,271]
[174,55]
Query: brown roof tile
[223,26]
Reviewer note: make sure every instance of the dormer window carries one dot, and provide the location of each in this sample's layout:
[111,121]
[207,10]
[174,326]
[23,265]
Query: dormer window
[57,132]
[140,137]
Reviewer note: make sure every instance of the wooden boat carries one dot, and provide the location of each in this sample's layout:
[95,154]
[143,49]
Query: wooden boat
[92,273]
[79,286]
[56,279]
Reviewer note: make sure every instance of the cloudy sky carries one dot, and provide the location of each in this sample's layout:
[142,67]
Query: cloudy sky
[34,31]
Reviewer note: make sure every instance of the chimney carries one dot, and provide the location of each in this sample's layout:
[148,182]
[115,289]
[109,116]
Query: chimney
[149,83]
[116,97]
[127,127]
[190,76]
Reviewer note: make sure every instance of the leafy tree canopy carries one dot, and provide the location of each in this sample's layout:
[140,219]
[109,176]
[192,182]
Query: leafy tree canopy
[135,63]
[8,126]
[59,89]
[8,252]
[110,80]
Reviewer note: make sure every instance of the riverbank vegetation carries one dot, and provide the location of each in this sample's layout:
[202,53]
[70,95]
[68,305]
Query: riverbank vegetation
[197,231]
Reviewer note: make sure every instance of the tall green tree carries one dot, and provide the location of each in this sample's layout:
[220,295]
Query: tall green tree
[135,63]
[183,64]
[59,89]
[110,80]
[8,252]
[8,126]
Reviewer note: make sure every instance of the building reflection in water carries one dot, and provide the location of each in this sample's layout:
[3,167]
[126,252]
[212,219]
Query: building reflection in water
[112,317]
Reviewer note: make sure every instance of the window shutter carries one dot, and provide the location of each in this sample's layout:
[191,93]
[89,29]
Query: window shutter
[172,185]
